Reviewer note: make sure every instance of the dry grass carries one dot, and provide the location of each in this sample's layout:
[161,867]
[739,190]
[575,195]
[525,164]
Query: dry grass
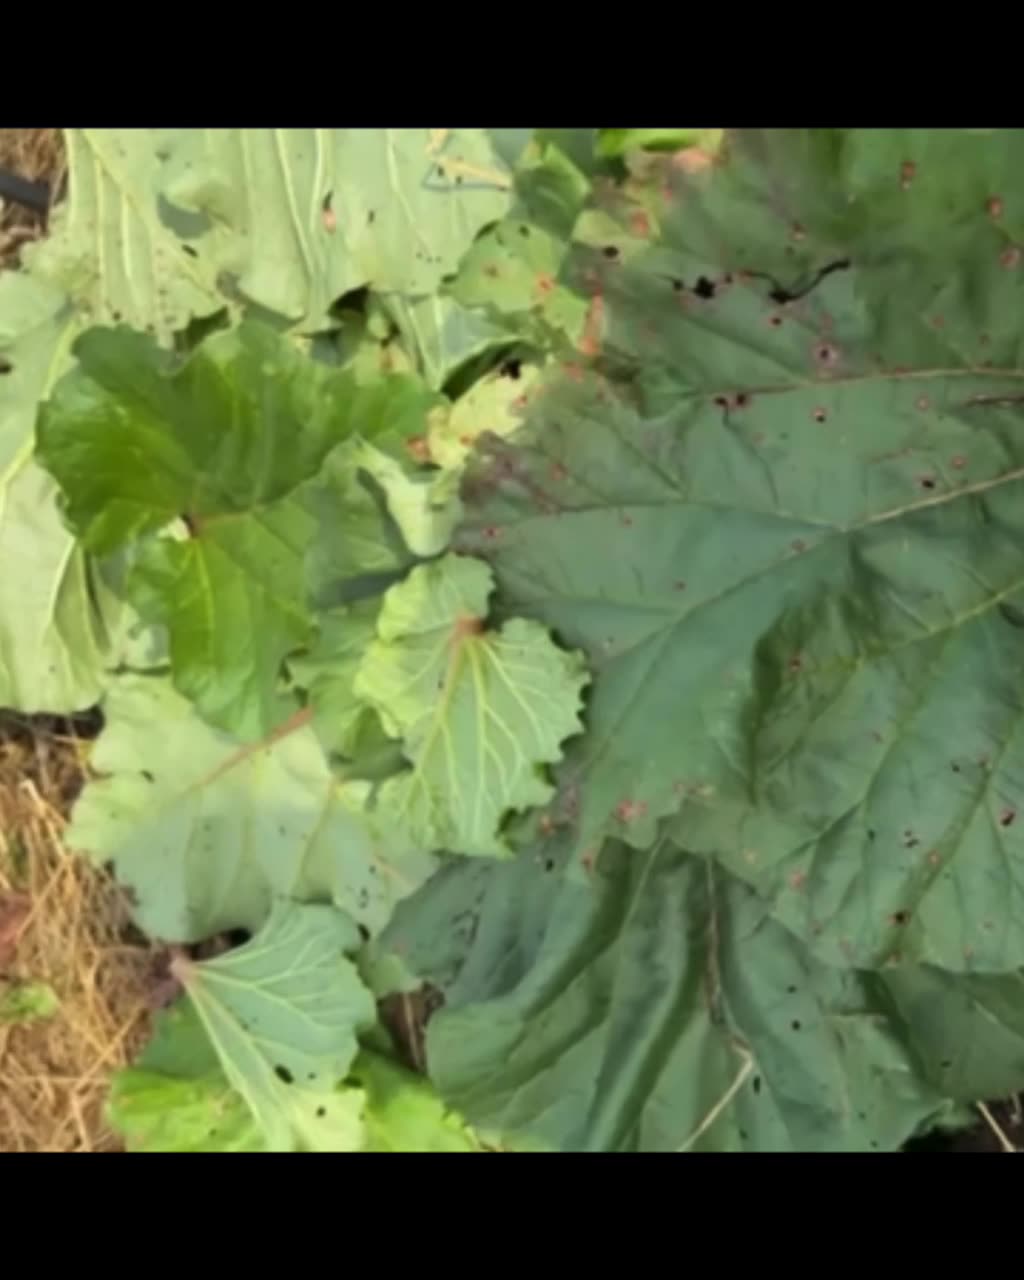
[38,156]
[64,923]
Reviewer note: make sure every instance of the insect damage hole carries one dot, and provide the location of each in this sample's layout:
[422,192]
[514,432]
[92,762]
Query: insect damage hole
[283,1074]
[1006,818]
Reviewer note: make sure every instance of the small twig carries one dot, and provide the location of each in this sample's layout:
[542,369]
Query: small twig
[722,1102]
[996,1128]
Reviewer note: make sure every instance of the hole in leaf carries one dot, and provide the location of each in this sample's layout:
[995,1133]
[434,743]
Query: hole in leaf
[524,230]
[284,1075]
[610,251]
[795,1024]
[5,366]
[1007,817]
[321,1112]
[742,400]
[147,775]
[704,288]
[927,482]
[820,415]
[678,286]
[756,1084]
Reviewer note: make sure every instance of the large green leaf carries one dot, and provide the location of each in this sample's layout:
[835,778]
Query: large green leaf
[656,1008]
[967,1031]
[206,830]
[282,1013]
[793,569]
[479,712]
[304,216]
[224,442]
[115,246]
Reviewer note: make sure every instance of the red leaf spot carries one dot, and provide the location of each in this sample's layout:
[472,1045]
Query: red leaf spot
[593,327]
[520,402]
[908,171]
[639,223]
[466,440]
[492,532]
[544,284]
[820,415]
[587,859]
[630,810]
[938,322]
[419,448]
[994,206]
[797,232]
[797,880]
[574,372]
[923,402]
[1010,258]
[775,320]
[959,462]
[330,220]
[1007,817]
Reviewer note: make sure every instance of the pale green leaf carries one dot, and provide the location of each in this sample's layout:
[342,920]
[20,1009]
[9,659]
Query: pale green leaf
[282,1013]
[479,712]
[303,216]
[113,245]
[207,830]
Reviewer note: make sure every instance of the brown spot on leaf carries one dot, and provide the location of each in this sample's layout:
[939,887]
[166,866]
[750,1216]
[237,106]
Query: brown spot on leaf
[797,232]
[994,206]
[544,284]
[796,662]
[558,472]
[899,918]
[418,448]
[826,355]
[820,414]
[934,858]
[798,545]
[926,482]
[1006,818]
[639,223]
[958,461]
[630,810]
[908,171]
[491,271]
[1010,258]
[923,403]
[797,880]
